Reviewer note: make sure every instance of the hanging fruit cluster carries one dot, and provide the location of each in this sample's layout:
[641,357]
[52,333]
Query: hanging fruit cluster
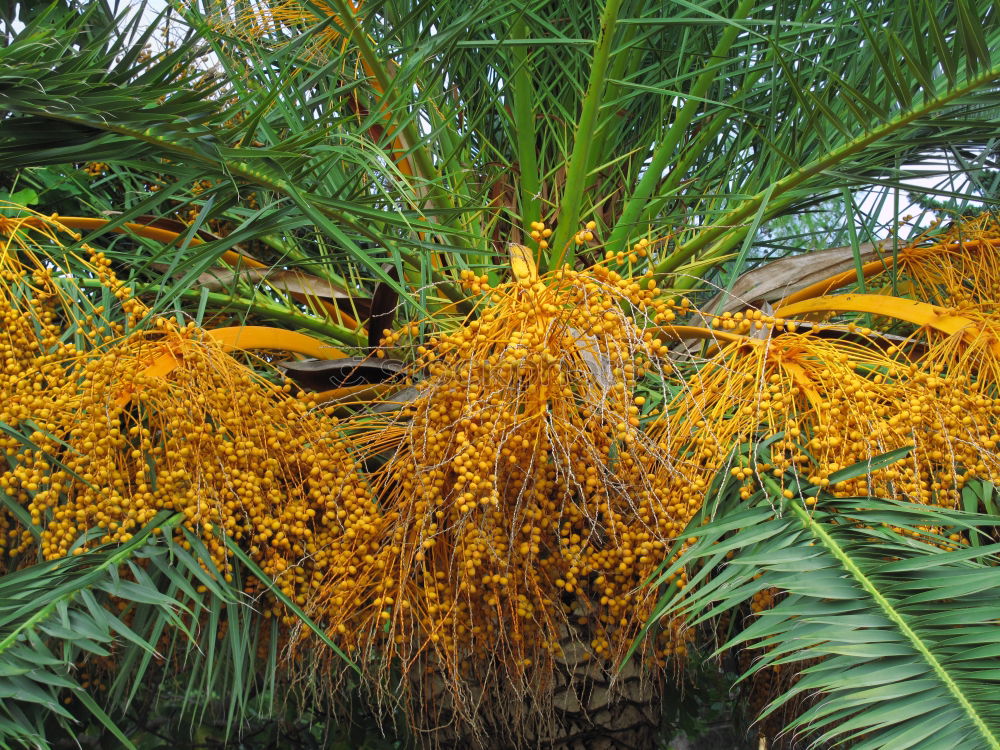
[523,503]
[502,523]
[109,424]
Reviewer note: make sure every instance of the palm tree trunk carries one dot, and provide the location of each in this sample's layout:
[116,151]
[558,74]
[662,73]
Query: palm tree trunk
[586,705]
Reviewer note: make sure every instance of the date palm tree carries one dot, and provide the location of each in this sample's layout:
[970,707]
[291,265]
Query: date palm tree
[449,185]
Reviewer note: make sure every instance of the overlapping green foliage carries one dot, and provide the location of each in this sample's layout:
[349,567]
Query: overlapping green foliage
[891,638]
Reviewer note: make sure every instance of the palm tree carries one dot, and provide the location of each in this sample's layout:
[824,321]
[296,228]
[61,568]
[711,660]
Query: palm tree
[372,174]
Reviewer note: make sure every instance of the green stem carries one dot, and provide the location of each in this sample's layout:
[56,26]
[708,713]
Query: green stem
[563,249]
[292,319]
[723,239]
[668,146]
[897,619]
[523,95]
[624,66]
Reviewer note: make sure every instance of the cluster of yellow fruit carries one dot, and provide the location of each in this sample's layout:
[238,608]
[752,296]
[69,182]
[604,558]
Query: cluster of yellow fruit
[521,498]
[554,452]
[95,168]
[534,489]
[959,267]
[110,440]
[804,407]
[271,21]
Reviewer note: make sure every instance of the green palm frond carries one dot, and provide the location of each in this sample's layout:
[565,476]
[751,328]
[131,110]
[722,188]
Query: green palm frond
[55,614]
[890,620]
[181,636]
[160,113]
[699,126]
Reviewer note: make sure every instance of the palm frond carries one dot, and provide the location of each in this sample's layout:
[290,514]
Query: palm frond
[56,614]
[873,600]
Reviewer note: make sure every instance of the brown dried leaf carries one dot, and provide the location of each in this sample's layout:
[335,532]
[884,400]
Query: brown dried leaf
[778,279]
[383,309]
[326,374]
[293,282]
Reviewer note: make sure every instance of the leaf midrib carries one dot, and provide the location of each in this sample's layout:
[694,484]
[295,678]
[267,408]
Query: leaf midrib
[726,237]
[898,620]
